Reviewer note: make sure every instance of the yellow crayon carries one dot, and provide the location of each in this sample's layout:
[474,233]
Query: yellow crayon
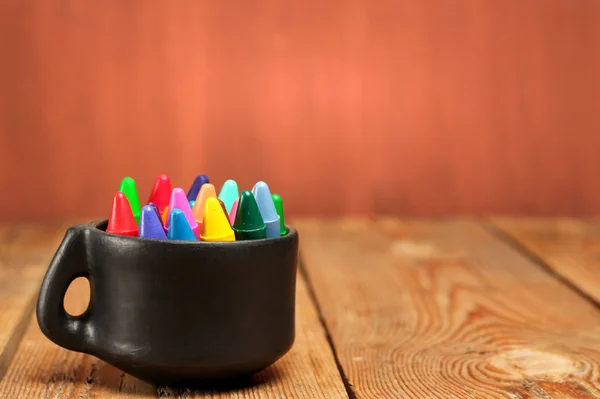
[215,225]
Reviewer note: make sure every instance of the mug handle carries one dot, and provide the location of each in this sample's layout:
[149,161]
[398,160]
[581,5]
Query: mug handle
[69,262]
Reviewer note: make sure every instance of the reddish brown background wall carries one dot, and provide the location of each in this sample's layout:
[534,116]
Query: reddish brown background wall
[414,107]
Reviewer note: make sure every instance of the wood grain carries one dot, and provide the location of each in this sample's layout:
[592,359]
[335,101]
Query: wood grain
[433,107]
[571,247]
[445,309]
[41,369]
[25,252]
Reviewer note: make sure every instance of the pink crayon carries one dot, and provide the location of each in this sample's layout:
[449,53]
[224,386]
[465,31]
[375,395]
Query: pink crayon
[179,201]
[233,211]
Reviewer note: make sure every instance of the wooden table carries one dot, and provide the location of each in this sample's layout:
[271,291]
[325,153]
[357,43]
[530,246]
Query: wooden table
[386,308]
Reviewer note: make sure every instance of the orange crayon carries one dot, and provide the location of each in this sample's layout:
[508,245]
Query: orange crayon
[165,215]
[207,190]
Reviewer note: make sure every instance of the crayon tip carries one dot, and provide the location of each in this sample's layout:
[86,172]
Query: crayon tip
[192,204]
[249,224]
[155,208]
[179,228]
[196,185]
[179,201]
[164,215]
[263,197]
[127,187]
[150,224]
[161,192]
[121,220]
[233,212]
[215,226]
[279,208]
[229,192]
[207,190]
[224,210]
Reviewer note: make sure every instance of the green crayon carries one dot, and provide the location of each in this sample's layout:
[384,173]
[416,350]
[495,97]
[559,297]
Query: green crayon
[128,188]
[279,209]
[248,224]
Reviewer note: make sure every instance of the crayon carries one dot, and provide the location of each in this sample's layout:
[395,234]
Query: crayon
[224,210]
[179,201]
[196,185]
[233,212]
[150,224]
[279,207]
[179,228]
[153,205]
[164,215]
[121,220]
[207,190]
[161,192]
[128,188]
[267,209]
[249,224]
[215,226]
[228,194]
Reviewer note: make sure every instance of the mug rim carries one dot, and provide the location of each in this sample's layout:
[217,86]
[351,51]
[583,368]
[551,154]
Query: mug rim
[99,226]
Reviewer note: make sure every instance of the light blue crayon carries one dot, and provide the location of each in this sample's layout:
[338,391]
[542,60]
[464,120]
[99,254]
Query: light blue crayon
[267,208]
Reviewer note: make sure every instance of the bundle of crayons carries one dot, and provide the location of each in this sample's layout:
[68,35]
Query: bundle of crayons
[198,215]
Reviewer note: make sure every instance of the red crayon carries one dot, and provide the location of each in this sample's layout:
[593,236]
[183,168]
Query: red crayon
[161,192]
[121,220]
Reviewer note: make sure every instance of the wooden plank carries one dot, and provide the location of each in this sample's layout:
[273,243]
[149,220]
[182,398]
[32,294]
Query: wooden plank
[422,309]
[25,252]
[568,246]
[41,369]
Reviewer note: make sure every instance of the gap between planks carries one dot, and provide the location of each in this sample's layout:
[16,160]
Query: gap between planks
[498,231]
[315,302]
[446,309]
[24,269]
[9,351]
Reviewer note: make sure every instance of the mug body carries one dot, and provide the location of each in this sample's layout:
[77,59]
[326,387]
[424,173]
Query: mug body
[173,312]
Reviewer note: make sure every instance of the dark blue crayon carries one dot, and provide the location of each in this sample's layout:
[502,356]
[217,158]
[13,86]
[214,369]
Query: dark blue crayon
[195,189]
[153,205]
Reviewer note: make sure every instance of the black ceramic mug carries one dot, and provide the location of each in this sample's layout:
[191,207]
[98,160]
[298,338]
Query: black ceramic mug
[174,312]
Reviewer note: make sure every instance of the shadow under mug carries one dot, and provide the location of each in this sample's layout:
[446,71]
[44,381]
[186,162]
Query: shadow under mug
[174,312]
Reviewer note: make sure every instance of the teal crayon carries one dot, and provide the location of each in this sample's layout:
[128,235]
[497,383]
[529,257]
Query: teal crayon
[228,194]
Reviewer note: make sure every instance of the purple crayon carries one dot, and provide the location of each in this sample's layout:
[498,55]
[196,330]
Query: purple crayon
[150,225]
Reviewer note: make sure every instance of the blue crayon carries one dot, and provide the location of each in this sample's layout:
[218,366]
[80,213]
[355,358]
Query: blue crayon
[266,206]
[179,228]
[150,224]
[195,189]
